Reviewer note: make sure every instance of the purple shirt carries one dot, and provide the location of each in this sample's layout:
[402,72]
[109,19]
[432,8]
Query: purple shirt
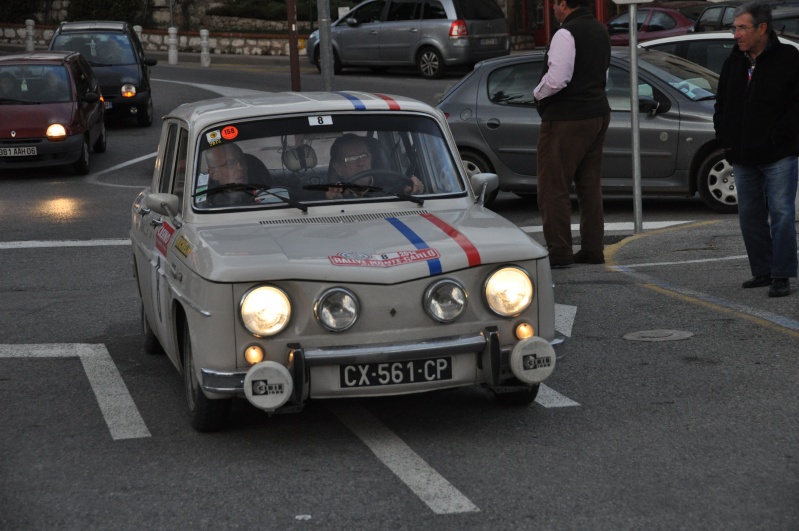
[560,59]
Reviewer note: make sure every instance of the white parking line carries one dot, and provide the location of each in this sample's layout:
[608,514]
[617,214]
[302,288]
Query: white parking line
[435,491]
[549,398]
[34,244]
[116,404]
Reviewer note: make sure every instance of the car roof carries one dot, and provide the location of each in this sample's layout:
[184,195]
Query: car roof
[37,57]
[93,25]
[208,112]
[787,38]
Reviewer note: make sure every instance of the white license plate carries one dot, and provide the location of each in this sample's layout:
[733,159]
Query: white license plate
[108,104]
[488,42]
[17,152]
[396,372]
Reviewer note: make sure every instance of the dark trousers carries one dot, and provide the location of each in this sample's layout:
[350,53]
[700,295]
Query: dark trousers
[571,151]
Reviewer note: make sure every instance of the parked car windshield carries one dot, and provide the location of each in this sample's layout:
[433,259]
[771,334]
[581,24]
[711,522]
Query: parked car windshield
[694,81]
[100,49]
[34,84]
[323,159]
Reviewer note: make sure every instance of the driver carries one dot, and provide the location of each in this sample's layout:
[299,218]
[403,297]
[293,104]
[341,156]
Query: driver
[349,155]
[227,165]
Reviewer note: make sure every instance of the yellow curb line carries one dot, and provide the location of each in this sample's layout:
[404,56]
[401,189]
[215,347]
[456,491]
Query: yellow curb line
[610,250]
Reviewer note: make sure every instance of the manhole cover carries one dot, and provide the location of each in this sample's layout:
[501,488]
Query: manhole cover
[658,335]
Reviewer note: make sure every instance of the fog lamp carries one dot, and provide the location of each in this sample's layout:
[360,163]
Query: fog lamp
[524,330]
[254,354]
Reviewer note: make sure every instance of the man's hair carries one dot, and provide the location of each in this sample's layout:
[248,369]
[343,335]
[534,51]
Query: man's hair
[760,12]
[347,139]
[574,4]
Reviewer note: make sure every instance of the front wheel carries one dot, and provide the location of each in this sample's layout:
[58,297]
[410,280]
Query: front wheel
[149,339]
[430,63]
[204,414]
[145,116]
[81,166]
[716,184]
[523,397]
[475,163]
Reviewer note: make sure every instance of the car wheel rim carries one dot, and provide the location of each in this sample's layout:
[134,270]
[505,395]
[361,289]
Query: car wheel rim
[429,63]
[721,183]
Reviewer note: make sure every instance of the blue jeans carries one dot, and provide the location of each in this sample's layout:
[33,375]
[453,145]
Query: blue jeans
[766,212]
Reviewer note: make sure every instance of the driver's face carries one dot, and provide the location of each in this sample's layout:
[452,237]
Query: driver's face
[355,158]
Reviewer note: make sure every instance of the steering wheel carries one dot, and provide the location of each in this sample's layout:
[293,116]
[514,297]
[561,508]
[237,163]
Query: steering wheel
[401,180]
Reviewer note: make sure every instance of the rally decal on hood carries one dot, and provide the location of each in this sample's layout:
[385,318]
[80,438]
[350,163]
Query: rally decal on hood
[384,260]
[418,242]
[468,247]
[359,105]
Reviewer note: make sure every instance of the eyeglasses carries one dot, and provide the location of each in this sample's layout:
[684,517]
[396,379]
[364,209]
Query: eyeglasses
[228,165]
[736,29]
[356,158]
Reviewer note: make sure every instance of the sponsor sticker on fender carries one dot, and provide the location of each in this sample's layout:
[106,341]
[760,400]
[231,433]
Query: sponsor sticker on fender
[184,246]
[384,260]
[162,237]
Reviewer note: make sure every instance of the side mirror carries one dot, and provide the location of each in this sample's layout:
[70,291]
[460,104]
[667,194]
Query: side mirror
[483,184]
[91,97]
[150,62]
[164,204]
[352,21]
[651,106]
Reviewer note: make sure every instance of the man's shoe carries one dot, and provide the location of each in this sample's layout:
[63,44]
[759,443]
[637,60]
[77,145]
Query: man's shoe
[582,257]
[560,262]
[757,282]
[780,287]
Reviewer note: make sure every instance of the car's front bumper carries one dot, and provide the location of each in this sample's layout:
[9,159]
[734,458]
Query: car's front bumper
[48,153]
[118,107]
[476,359]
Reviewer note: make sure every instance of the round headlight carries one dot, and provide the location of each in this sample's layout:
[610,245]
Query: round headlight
[56,132]
[509,291]
[337,309]
[445,300]
[128,90]
[265,310]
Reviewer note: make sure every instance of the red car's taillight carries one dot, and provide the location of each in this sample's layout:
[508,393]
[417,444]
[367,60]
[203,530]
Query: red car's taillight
[458,29]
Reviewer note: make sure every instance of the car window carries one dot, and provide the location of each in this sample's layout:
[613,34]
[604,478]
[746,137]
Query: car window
[661,21]
[618,89]
[514,85]
[787,25]
[622,22]
[98,48]
[295,158]
[708,19]
[433,10]
[728,18]
[168,158]
[478,10]
[400,10]
[693,80]
[368,13]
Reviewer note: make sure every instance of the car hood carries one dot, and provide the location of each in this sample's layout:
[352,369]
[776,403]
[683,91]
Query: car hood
[113,77]
[384,248]
[31,121]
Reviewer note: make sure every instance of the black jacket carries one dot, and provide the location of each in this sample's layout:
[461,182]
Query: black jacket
[757,121]
[584,97]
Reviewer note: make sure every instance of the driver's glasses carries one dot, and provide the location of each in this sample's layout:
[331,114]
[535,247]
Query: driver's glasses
[357,158]
[227,165]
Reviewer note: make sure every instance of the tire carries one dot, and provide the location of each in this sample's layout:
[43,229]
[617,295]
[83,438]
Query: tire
[518,398]
[336,62]
[150,342]
[204,414]
[716,184]
[475,163]
[145,119]
[100,144]
[317,60]
[81,166]
[430,63]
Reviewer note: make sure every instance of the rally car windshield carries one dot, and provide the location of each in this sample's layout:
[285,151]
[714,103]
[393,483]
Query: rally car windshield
[299,161]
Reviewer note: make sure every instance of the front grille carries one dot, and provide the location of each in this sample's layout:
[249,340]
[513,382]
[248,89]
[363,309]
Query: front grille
[355,218]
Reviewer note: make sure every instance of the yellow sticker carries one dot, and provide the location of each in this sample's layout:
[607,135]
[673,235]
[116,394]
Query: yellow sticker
[184,246]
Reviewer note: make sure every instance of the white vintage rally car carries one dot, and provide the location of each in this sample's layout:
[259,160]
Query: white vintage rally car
[297,246]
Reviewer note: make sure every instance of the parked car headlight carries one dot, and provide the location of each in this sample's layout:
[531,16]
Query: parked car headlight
[128,90]
[337,309]
[265,310]
[509,291]
[56,133]
[445,300]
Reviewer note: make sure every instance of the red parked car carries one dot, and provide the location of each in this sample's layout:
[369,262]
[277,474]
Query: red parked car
[52,111]
[656,20]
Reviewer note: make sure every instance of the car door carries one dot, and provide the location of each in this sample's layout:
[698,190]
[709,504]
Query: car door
[358,34]
[399,33]
[91,112]
[507,117]
[659,134]
[155,260]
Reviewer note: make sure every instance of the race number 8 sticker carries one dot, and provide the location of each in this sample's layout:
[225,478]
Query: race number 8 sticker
[320,120]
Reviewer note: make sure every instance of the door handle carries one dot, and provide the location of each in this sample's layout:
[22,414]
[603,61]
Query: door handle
[493,123]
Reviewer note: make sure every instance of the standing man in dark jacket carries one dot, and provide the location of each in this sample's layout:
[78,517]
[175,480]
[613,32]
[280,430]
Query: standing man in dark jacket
[757,123]
[574,119]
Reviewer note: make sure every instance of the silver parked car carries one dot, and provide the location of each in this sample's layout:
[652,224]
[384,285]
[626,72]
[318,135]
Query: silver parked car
[431,34]
[494,121]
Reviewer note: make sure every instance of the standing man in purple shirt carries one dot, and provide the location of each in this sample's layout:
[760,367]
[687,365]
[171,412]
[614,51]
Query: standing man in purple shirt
[574,119]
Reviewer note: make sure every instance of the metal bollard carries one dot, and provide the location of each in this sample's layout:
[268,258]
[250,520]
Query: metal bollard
[29,24]
[172,41]
[205,56]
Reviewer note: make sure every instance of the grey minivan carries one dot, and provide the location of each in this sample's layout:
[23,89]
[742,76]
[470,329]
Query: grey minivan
[431,34]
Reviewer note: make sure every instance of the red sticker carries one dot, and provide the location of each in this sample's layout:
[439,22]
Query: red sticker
[229,132]
[163,235]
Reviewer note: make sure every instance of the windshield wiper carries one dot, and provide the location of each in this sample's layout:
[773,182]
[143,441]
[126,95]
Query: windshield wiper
[243,187]
[19,102]
[365,188]
[705,98]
